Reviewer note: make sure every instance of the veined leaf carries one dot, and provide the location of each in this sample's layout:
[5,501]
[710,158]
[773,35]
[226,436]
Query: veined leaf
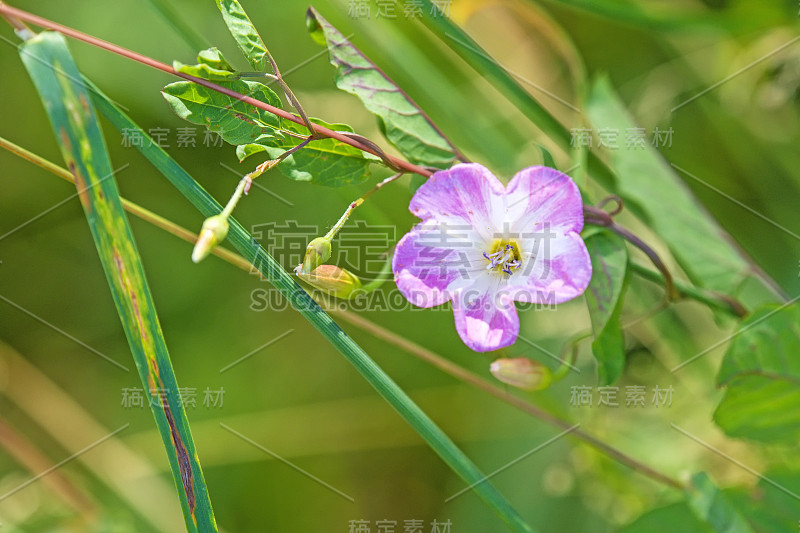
[403,123]
[604,300]
[244,33]
[713,507]
[249,248]
[211,65]
[650,187]
[323,161]
[72,116]
[772,506]
[761,371]
[235,121]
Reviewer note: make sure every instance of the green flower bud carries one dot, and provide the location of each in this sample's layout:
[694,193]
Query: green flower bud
[522,373]
[213,232]
[317,252]
[332,280]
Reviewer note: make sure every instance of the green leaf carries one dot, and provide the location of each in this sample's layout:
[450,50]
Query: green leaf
[74,121]
[325,161]
[772,506]
[249,248]
[604,299]
[650,188]
[211,65]
[235,121]
[403,123]
[761,371]
[669,519]
[713,507]
[244,33]
[547,157]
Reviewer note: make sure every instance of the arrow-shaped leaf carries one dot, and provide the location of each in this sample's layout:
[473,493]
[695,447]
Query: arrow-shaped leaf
[402,121]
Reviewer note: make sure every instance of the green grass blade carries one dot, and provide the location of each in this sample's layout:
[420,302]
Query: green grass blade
[300,300]
[475,56]
[72,116]
[173,18]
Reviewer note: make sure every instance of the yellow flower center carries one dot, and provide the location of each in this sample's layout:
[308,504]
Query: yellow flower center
[503,257]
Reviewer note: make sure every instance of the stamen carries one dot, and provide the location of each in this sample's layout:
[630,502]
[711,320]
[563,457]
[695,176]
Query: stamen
[504,258]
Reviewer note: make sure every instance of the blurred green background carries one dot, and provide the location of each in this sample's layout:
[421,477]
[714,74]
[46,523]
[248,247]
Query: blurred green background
[298,397]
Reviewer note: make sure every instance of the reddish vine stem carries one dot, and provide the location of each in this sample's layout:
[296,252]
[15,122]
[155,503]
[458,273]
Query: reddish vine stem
[394,162]
[598,217]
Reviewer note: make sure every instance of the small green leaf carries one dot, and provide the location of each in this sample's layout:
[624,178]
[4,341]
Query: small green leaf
[244,33]
[323,161]
[713,507]
[761,371]
[604,300]
[236,121]
[210,66]
[403,123]
[547,157]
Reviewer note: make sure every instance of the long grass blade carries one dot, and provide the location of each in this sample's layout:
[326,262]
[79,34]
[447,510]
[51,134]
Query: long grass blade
[72,116]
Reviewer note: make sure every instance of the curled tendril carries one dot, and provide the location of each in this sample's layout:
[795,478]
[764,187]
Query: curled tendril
[613,198]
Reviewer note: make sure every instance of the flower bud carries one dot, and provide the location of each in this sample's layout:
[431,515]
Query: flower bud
[213,232]
[332,280]
[317,251]
[522,373]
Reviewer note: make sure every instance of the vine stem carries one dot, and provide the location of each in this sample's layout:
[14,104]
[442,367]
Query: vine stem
[714,299]
[319,131]
[340,223]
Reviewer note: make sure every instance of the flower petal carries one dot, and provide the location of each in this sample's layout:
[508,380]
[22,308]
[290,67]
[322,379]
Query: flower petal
[554,276]
[485,320]
[426,263]
[466,194]
[539,195]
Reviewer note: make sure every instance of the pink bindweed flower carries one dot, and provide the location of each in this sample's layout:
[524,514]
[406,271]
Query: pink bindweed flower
[484,246]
